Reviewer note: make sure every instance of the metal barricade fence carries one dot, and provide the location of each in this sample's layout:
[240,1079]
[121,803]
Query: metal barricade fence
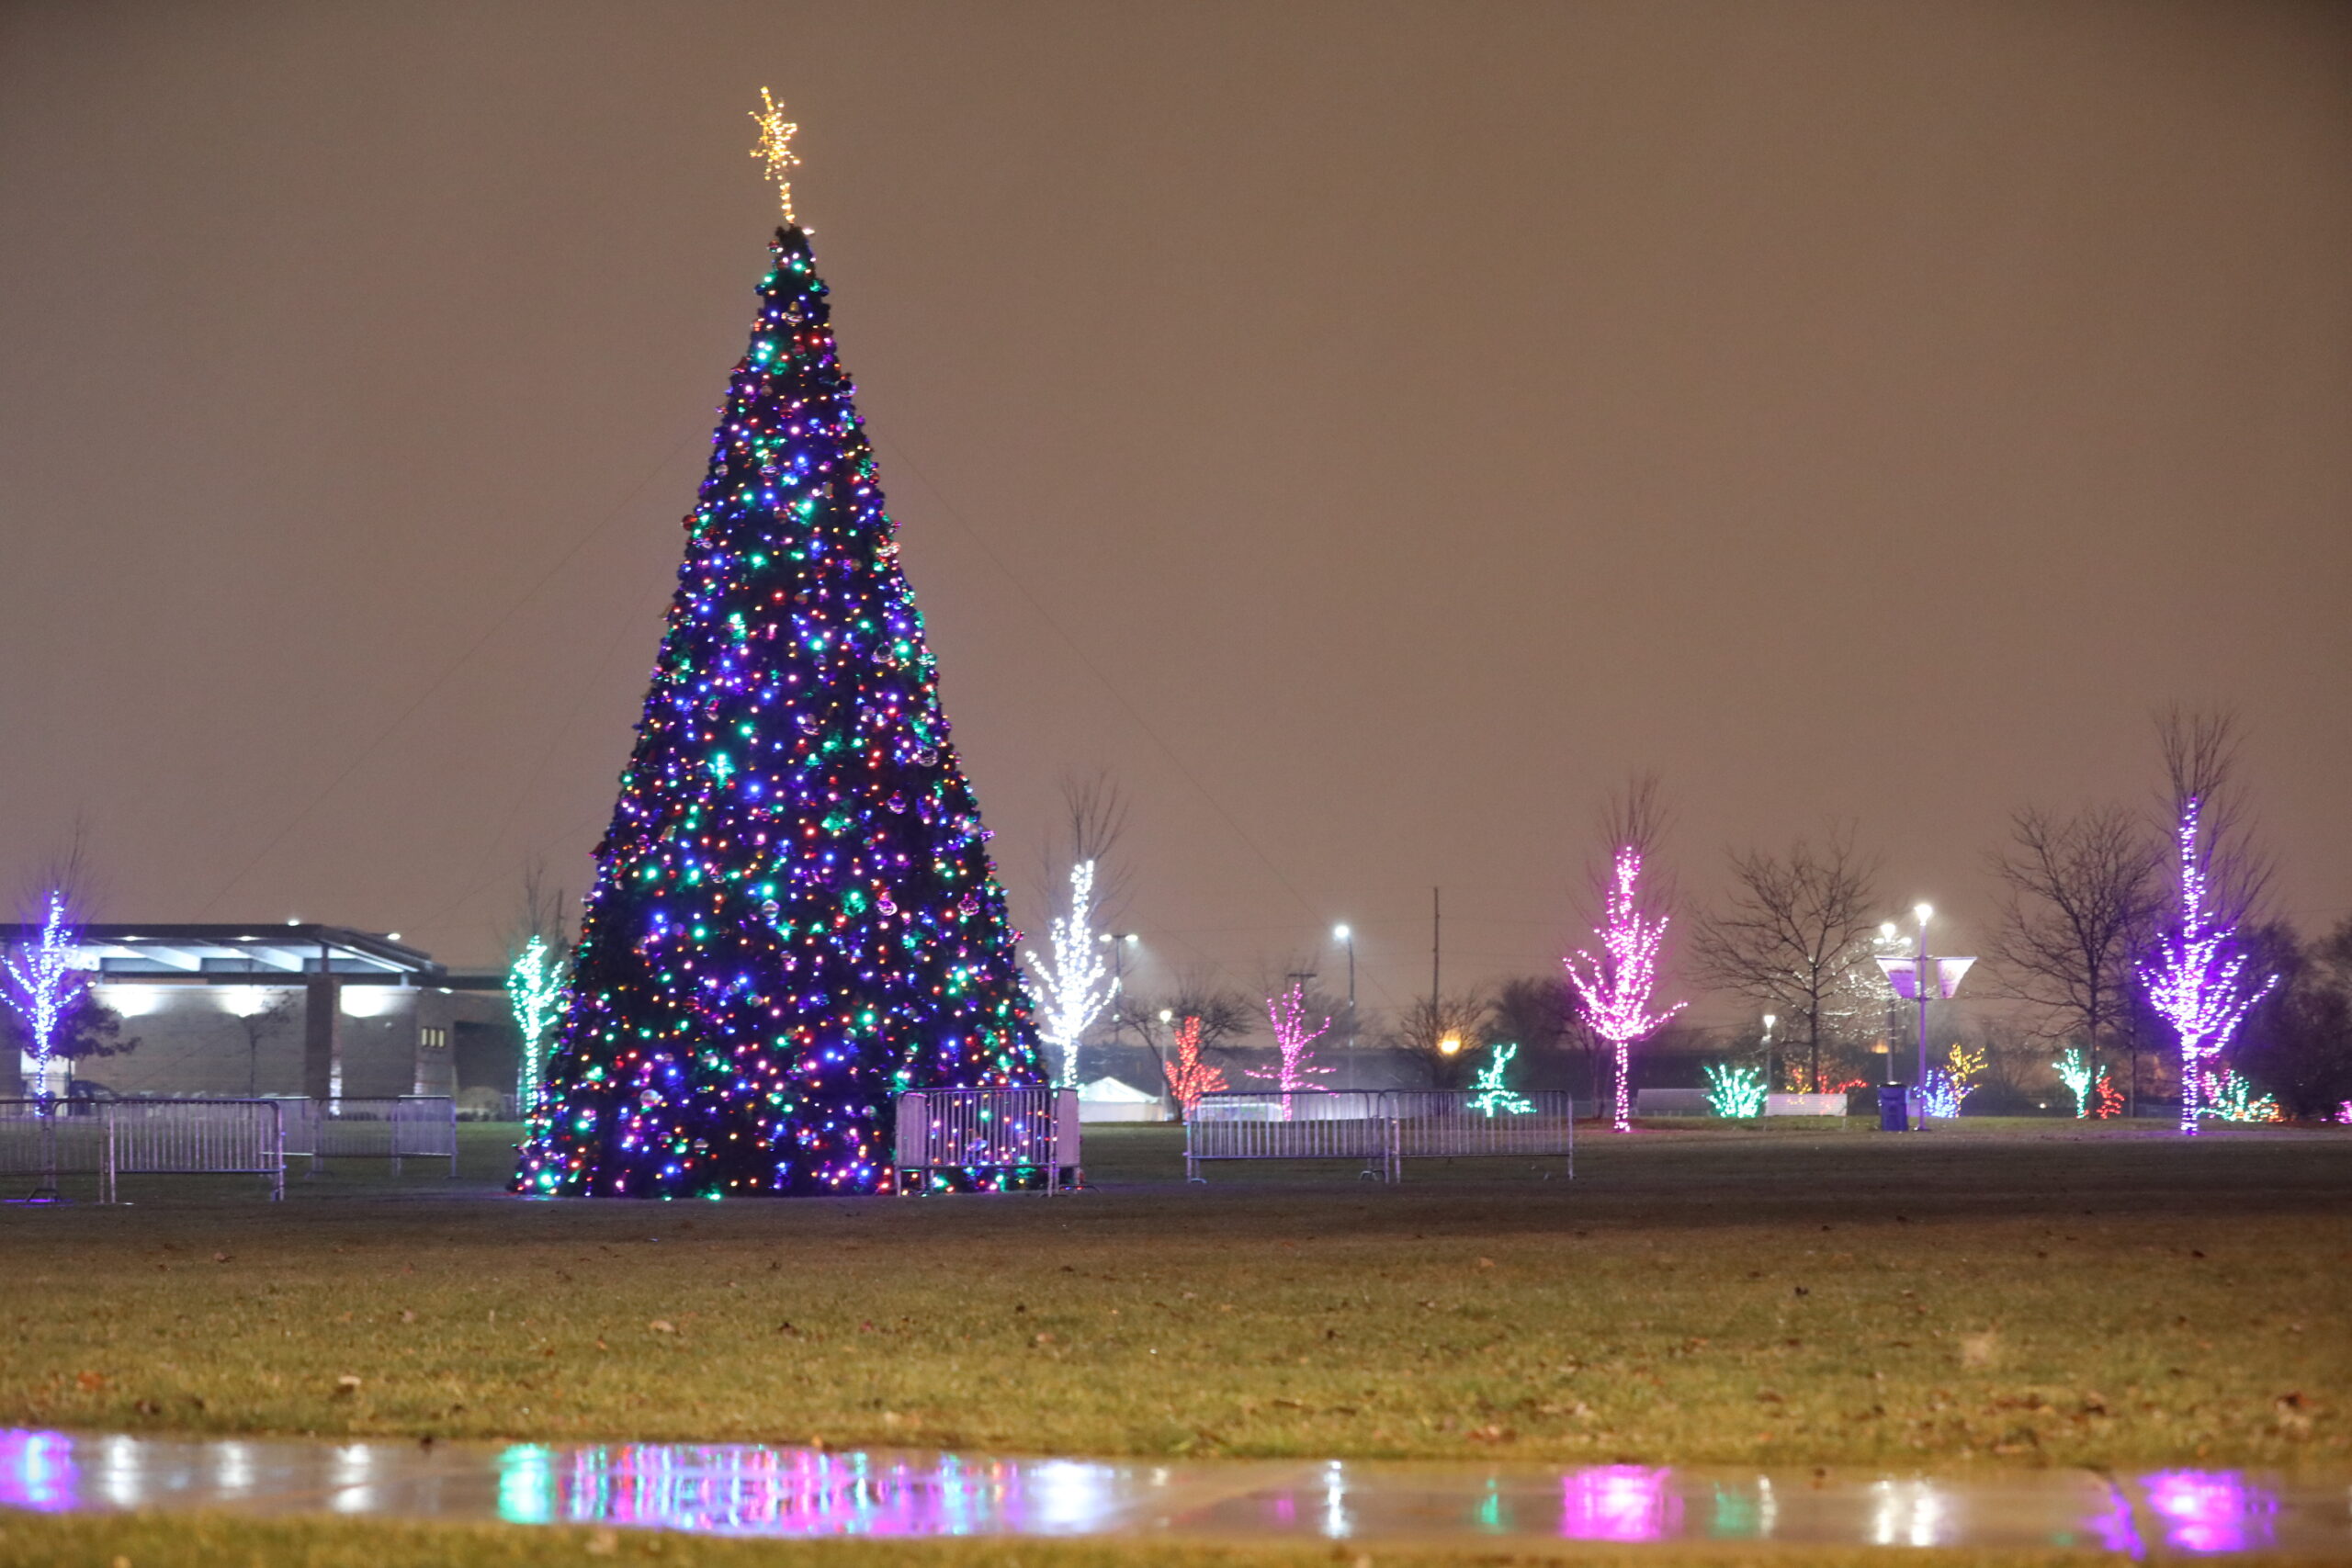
[1456,1124]
[189,1137]
[421,1126]
[49,1138]
[1302,1124]
[986,1129]
[133,1137]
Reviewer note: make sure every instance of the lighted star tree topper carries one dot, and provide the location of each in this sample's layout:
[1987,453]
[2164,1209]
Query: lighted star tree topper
[794,913]
[2197,977]
[1613,990]
[1077,985]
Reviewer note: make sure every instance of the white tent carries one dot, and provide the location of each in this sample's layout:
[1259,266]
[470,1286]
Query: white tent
[1109,1100]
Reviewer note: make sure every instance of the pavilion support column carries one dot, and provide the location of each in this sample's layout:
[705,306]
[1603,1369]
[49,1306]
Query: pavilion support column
[322,1046]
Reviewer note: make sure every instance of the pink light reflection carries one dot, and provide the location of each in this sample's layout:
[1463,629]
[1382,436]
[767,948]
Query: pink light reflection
[1618,1502]
[2212,1510]
[37,1472]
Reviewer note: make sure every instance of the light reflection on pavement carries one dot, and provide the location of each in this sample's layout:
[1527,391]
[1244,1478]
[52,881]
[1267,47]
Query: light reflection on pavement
[755,1489]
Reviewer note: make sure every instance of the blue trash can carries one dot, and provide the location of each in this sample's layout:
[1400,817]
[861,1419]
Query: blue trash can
[1891,1117]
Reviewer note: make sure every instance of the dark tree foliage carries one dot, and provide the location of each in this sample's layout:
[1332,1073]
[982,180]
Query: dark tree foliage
[86,1030]
[2297,1045]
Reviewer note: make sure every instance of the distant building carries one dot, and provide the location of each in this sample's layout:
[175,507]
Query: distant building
[297,1010]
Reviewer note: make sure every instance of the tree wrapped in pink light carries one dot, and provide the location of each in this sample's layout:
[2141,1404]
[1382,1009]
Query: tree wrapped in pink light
[1287,1013]
[2197,977]
[1613,991]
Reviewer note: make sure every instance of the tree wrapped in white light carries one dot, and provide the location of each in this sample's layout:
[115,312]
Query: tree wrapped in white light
[535,990]
[43,983]
[1079,984]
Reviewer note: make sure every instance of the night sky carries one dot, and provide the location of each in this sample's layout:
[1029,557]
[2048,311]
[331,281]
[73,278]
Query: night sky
[1369,431]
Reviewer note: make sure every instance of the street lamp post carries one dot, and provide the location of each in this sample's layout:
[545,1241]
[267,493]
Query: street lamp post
[1920,977]
[1769,1020]
[1120,942]
[1348,937]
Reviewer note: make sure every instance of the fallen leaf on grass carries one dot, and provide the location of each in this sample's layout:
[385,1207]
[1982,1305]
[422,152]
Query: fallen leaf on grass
[1980,1349]
[346,1384]
[661,1325]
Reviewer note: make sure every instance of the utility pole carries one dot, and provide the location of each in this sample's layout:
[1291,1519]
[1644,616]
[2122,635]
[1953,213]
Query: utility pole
[1349,937]
[1436,929]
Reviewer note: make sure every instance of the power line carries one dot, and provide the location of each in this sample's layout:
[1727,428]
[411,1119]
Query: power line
[1084,659]
[441,680]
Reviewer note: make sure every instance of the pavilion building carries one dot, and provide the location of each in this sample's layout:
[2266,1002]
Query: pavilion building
[325,1012]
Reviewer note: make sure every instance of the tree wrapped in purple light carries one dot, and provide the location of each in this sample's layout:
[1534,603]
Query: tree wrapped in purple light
[1613,990]
[43,984]
[2197,977]
[1287,1013]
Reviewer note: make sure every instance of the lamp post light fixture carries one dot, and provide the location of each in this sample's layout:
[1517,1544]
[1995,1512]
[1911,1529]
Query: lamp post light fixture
[1120,942]
[1914,980]
[1769,1020]
[1348,937]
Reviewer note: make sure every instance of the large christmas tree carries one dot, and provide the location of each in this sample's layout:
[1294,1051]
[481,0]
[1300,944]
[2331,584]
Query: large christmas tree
[794,914]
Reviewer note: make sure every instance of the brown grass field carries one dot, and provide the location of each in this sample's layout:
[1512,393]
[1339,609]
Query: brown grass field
[2026,1293]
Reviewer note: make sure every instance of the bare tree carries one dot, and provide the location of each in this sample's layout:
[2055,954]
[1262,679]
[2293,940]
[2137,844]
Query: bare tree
[2079,894]
[1093,824]
[1793,933]
[543,911]
[2201,755]
[264,1021]
[1533,1010]
[69,867]
[1634,817]
[1447,1032]
[1227,1017]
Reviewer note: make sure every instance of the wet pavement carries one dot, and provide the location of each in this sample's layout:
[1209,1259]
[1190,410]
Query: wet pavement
[755,1489]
